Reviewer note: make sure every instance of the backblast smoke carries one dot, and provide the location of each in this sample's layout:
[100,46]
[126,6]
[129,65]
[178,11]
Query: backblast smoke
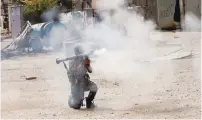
[126,37]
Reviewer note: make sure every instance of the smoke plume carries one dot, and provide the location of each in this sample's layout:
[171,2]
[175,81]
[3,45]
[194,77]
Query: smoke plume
[126,37]
[191,23]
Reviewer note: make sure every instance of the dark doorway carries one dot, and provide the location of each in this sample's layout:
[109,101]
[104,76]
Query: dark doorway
[177,11]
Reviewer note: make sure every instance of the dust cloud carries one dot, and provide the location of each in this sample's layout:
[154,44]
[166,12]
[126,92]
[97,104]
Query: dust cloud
[126,37]
[191,23]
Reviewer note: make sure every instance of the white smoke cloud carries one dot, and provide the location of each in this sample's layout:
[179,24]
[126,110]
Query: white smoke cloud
[191,23]
[127,38]
[106,4]
[49,14]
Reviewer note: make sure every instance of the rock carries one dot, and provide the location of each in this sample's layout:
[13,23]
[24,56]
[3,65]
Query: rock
[116,83]
[31,78]
[168,90]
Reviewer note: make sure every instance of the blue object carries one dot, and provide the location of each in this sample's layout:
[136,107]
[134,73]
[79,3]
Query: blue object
[43,29]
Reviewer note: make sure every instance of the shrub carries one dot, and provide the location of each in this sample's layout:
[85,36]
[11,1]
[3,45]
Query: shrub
[33,9]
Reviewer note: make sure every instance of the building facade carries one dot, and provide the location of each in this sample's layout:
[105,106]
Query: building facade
[166,13]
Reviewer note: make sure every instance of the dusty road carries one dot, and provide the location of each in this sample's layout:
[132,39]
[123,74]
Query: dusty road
[46,97]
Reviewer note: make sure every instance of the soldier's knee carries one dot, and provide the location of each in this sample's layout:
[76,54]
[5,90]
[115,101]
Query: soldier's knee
[94,88]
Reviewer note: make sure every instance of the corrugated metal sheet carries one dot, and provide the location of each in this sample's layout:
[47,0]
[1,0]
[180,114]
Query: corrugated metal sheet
[165,10]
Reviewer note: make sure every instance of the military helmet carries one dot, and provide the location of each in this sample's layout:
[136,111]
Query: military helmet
[78,49]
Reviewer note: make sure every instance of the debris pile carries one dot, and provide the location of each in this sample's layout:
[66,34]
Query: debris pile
[20,40]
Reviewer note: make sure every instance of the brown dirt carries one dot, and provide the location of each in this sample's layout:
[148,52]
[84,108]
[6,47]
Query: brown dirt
[46,96]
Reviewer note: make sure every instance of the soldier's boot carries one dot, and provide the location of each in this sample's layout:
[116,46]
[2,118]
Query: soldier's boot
[89,100]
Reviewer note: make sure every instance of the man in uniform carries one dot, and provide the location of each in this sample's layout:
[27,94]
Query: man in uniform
[79,67]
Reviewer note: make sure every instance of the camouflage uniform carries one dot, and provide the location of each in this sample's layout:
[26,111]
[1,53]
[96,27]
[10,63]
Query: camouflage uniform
[80,80]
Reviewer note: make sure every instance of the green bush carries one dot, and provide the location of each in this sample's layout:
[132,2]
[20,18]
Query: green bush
[33,9]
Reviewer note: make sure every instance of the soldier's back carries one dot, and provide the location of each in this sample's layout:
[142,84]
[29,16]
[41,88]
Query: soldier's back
[76,67]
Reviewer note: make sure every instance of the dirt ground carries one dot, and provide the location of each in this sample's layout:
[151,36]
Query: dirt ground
[46,97]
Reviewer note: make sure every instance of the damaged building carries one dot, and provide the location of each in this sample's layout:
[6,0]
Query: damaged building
[167,14]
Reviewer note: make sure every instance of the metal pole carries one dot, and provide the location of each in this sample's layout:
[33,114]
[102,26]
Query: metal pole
[182,11]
